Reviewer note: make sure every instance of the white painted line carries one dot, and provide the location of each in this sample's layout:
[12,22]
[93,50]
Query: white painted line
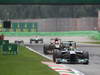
[38,53]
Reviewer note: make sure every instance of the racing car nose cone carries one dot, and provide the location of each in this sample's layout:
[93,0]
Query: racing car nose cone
[72,52]
[57,46]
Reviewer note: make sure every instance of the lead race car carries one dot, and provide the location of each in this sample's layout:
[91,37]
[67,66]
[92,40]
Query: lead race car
[55,43]
[70,54]
[36,40]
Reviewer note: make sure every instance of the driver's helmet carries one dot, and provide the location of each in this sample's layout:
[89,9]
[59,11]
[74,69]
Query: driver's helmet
[70,44]
[56,39]
[56,42]
[36,36]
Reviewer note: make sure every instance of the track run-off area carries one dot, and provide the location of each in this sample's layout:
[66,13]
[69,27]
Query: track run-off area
[93,68]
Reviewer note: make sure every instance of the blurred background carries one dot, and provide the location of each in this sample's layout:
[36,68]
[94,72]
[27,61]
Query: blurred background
[49,18]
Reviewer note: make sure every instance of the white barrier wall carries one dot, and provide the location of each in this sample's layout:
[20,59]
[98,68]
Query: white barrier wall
[64,24]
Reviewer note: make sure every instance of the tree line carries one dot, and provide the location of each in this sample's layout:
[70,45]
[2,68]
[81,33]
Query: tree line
[30,11]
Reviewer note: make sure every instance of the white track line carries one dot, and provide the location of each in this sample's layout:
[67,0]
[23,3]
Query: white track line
[39,53]
[76,71]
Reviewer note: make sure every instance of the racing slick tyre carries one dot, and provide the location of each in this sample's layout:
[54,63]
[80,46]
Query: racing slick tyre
[30,41]
[22,42]
[15,42]
[41,40]
[86,56]
[45,50]
[36,41]
[56,54]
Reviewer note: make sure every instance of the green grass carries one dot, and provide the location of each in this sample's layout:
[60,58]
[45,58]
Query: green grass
[68,33]
[91,42]
[96,36]
[25,63]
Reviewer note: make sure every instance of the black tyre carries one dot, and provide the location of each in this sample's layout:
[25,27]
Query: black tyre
[15,42]
[41,40]
[36,41]
[45,48]
[56,54]
[51,46]
[86,56]
[87,62]
[58,62]
[22,42]
[30,41]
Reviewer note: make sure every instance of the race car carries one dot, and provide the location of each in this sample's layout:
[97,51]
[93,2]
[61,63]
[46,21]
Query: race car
[67,44]
[70,55]
[54,44]
[36,40]
[19,42]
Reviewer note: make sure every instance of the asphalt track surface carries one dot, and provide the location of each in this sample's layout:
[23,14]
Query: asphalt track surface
[93,68]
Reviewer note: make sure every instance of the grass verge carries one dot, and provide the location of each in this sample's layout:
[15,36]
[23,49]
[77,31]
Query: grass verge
[68,33]
[25,63]
[96,36]
[91,42]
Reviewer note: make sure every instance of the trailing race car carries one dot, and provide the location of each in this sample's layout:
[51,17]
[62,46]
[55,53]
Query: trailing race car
[70,55]
[19,41]
[54,44]
[36,40]
[67,44]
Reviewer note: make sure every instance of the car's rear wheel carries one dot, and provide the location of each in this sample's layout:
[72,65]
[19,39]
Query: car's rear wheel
[15,42]
[41,40]
[45,50]
[30,41]
[56,55]
[86,56]
[36,41]
[22,42]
